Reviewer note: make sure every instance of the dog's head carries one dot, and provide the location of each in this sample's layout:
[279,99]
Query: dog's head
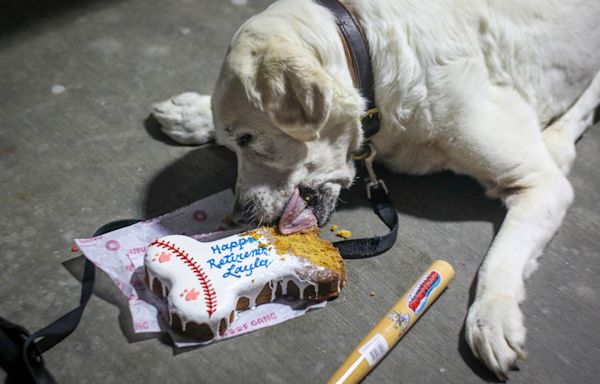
[293,125]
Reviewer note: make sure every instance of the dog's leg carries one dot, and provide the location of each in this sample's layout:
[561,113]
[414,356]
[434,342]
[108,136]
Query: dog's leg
[501,144]
[186,118]
[494,328]
[560,136]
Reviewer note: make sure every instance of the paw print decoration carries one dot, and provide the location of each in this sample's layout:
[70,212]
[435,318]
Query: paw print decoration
[190,294]
[162,257]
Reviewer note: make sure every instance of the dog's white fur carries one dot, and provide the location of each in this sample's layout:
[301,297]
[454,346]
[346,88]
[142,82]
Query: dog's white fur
[499,90]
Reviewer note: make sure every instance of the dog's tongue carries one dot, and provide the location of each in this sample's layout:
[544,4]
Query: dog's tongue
[296,216]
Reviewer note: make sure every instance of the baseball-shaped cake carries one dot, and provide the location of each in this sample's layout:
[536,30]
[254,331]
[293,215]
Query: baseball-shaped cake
[205,284]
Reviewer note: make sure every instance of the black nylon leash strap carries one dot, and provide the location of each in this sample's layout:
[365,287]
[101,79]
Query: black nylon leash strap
[373,246]
[21,353]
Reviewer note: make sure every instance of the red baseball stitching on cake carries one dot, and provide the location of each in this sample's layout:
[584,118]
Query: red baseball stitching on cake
[210,296]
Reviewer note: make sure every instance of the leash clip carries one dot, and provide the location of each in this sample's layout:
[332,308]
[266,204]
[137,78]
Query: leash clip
[373,182]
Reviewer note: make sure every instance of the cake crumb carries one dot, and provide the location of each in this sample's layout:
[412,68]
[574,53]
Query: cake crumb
[344,233]
[334,228]
[372,293]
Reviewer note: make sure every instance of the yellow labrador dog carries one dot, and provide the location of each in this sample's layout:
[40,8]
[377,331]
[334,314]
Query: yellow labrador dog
[499,90]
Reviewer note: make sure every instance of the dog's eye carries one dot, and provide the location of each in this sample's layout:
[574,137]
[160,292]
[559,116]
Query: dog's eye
[244,140]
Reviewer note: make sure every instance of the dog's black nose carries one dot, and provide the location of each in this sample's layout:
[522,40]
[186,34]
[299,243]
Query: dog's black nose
[320,200]
[308,194]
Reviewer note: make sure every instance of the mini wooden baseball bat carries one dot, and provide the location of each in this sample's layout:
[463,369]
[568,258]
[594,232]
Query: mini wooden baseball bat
[399,319]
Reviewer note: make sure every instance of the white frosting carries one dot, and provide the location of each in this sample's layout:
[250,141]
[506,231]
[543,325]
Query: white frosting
[204,281]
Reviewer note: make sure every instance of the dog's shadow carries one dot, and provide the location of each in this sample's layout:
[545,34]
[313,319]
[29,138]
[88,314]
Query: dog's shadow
[201,172]
[210,168]
[444,196]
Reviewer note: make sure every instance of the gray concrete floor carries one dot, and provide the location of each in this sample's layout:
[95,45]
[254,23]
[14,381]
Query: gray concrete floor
[77,151]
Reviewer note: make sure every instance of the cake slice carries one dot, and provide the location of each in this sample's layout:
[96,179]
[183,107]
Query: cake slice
[205,284]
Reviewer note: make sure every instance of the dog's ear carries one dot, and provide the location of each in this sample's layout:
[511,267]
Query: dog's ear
[290,85]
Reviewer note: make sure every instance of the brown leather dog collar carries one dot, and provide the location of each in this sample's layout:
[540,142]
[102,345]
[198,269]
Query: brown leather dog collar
[359,61]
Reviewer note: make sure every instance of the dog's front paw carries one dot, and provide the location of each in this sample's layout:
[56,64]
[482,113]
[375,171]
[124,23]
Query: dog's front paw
[186,118]
[495,332]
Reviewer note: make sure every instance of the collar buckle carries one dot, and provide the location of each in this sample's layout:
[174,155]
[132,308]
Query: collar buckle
[370,122]
[370,113]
